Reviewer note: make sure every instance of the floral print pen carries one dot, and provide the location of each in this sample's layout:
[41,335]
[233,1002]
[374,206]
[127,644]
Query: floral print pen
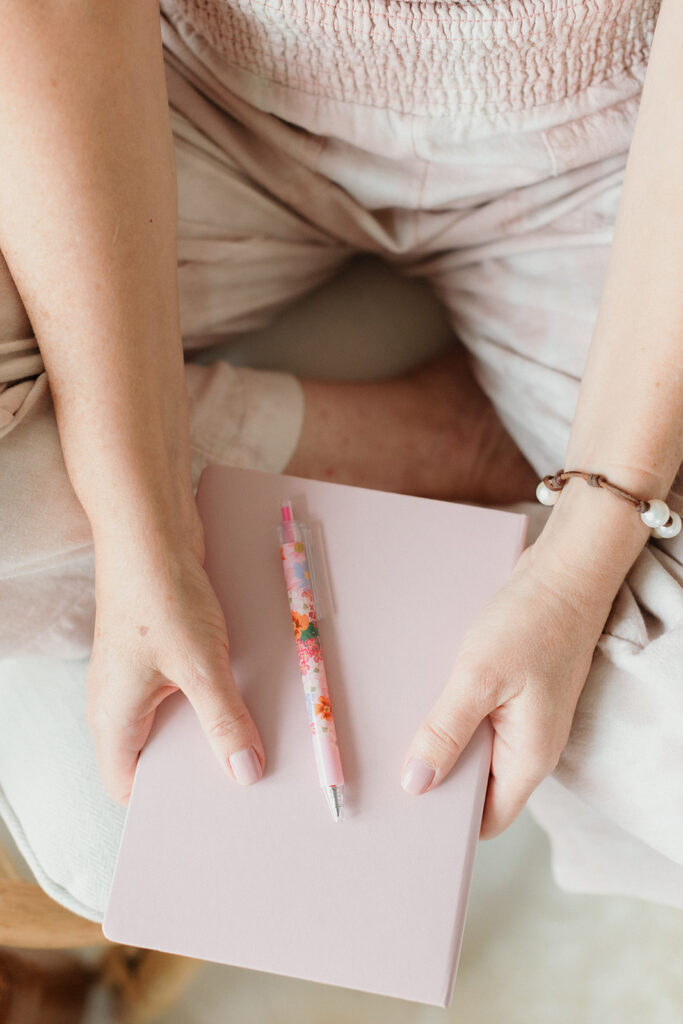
[305,621]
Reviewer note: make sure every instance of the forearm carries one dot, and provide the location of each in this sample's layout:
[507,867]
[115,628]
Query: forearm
[88,213]
[629,417]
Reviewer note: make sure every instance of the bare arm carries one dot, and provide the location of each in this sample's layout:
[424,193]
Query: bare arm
[629,418]
[525,659]
[88,229]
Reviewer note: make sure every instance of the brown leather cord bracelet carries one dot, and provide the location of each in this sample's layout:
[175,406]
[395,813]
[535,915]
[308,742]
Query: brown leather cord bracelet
[654,512]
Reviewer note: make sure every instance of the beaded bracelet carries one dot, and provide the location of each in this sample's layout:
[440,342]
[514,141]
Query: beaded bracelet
[654,512]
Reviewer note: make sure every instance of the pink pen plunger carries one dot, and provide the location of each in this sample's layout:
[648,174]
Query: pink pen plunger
[305,621]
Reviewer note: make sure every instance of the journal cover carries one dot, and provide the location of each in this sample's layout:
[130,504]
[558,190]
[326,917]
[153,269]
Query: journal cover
[261,876]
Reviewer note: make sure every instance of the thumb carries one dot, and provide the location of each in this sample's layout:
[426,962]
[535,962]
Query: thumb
[444,733]
[223,715]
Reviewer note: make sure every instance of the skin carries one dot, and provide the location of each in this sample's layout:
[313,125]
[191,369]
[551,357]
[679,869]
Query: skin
[525,659]
[87,260]
[93,259]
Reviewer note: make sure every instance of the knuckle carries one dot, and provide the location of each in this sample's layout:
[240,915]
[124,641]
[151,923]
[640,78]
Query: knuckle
[204,673]
[443,738]
[199,677]
[486,687]
[479,686]
[228,724]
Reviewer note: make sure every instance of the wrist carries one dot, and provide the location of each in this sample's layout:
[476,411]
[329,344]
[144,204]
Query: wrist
[590,539]
[653,482]
[134,570]
[134,480]
[149,517]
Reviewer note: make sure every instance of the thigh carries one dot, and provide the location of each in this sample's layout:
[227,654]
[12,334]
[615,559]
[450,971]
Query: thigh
[525,308]
[249,241]
[517,215]
[244,253]
[521,281]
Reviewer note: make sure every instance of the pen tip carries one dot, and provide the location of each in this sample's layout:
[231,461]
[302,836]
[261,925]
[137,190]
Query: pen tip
[335,799]
[286,510]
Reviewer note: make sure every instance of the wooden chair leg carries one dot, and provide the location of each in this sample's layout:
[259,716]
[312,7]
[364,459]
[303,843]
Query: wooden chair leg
[30,919]
[42,988]
[145,982]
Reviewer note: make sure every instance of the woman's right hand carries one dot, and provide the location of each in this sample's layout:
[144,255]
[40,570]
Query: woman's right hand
[160,628]
[92,248]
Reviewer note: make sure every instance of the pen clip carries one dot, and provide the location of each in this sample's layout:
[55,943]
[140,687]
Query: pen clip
[312,560]
[290,529]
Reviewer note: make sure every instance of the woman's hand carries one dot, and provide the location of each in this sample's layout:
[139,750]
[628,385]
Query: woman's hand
[94,258]
[525,658]
[160,628]
[523,662]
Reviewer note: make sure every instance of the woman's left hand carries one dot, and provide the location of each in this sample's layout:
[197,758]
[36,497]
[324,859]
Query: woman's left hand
[523,662]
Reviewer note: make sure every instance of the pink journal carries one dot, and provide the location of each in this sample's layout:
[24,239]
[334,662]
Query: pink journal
[261,876]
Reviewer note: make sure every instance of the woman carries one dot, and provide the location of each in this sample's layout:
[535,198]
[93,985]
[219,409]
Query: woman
[481,145]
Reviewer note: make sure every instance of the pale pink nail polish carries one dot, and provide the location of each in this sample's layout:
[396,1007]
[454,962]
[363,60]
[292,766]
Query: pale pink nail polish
[417,776]
[246,766]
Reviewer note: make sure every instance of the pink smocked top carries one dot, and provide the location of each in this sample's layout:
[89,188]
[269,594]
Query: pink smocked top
[429,57]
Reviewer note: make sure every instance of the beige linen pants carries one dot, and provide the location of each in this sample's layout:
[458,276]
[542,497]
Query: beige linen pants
[480,146]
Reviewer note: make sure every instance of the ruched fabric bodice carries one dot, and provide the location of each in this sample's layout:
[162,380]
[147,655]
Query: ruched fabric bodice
[432,58]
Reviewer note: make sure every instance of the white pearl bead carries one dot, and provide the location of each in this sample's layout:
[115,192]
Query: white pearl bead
[657,513]
[669,531]
[545,495]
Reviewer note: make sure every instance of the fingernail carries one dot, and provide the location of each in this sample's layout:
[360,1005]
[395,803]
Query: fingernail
[246,766]
[417,776]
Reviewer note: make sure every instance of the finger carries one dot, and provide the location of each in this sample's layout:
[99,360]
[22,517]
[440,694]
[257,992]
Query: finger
[505,799]
[516,771]
[446,731]
[120,729]
[223,715]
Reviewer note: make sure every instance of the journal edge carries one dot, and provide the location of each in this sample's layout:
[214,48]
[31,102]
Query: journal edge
[475,825]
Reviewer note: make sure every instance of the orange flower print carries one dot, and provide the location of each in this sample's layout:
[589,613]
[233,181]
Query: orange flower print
[323,708]
[300,624]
